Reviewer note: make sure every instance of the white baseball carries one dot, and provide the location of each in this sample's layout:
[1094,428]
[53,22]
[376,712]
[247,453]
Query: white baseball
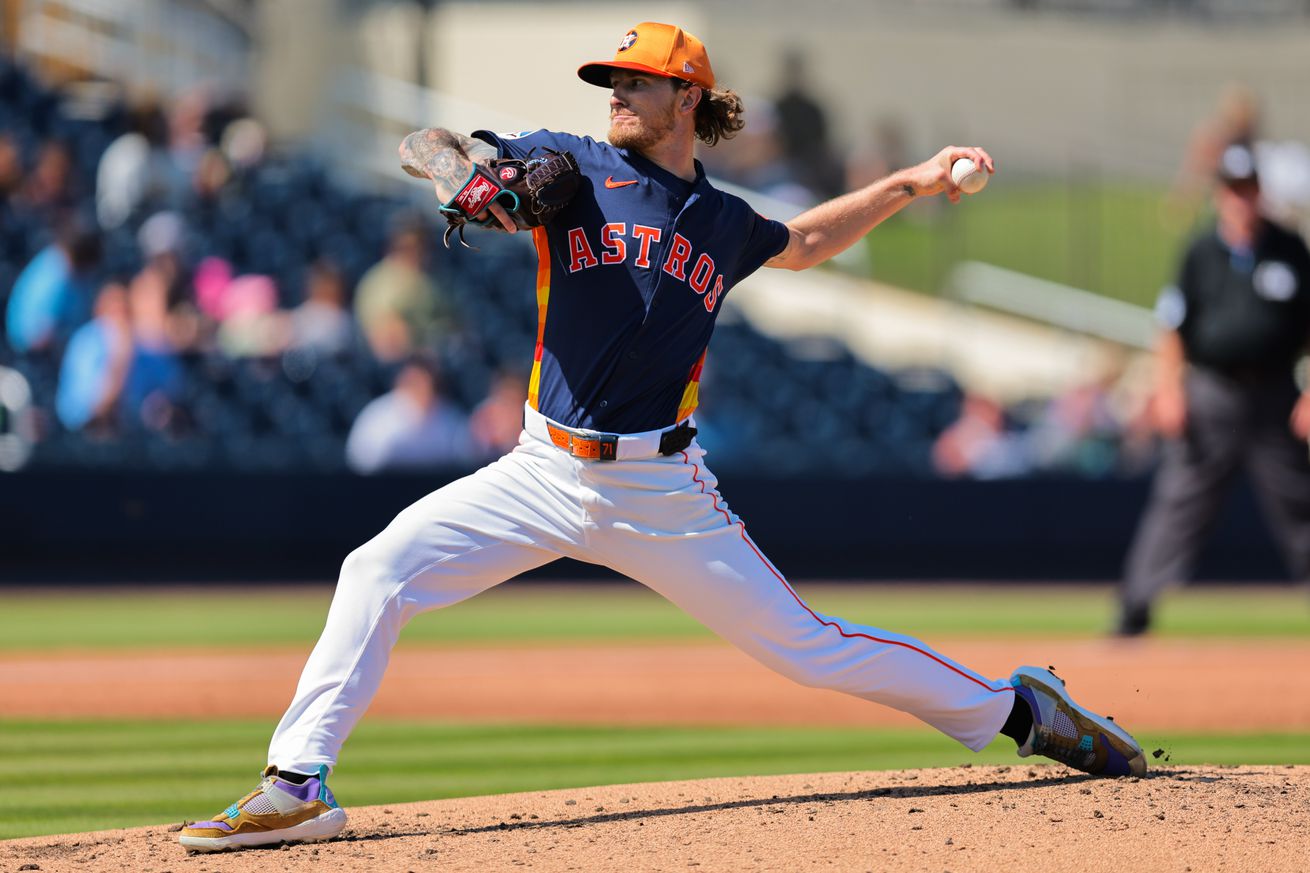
[967,177]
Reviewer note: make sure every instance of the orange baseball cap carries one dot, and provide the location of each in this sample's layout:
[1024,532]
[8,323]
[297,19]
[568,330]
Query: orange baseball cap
[658,49]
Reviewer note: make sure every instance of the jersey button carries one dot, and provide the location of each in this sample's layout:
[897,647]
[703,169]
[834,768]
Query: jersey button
[632,356]
[604,403]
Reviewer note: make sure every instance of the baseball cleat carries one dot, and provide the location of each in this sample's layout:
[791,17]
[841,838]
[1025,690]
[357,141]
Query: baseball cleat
[278,811]
[1063,731]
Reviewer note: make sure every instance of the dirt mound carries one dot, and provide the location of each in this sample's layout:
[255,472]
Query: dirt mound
[1018,819]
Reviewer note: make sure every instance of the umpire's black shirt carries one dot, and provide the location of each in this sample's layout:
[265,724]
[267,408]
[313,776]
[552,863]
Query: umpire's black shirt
[1242,312]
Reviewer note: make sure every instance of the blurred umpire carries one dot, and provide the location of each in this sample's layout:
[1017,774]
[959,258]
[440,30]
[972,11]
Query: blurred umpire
[1233,328]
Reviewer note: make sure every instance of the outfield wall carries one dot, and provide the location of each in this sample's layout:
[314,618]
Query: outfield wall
[233,527]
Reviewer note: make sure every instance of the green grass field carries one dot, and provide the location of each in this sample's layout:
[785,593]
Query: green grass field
[529,614]
[1114,239]
[68,776]
[73,775]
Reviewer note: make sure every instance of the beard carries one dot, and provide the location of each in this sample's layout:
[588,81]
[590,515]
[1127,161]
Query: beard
[641,134]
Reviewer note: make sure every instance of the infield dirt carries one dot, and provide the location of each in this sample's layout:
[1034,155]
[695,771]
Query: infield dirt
[1019,819]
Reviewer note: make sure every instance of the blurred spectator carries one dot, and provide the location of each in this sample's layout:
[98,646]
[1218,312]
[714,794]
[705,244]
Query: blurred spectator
[497,421]
[187,142]
[322,323]
[154,380]
[48,189]
[1079,431]
[411,427]
[252,325]
[243,143]
[399,307]
[1233,328]
[96,365]
[245,308]
[212,277]
[979,443]
[212,175]
[803,131]
[11,167]
[121,368]
[220,113]
[134,172]
[163,241]
[53,293]
[235,149]
[234,146]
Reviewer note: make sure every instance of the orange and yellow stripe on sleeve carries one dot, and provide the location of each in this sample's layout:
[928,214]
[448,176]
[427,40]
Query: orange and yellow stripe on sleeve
[543,297]
[691,394]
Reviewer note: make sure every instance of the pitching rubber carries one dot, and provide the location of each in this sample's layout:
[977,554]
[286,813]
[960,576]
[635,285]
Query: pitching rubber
[315,830]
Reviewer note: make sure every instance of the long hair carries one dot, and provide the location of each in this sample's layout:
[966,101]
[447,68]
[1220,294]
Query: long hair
[718,115]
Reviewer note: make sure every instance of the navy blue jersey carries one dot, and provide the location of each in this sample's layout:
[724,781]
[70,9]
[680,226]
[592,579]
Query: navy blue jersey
[630,277]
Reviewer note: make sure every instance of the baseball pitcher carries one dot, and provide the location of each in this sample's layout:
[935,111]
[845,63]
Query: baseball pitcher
[636,251]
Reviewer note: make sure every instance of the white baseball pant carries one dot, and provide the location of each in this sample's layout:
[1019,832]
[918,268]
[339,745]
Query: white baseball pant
[660,521]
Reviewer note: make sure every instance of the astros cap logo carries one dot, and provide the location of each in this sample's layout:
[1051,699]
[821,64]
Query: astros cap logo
[658,49]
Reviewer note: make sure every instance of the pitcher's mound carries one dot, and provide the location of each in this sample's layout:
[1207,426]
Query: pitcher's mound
[1018,819]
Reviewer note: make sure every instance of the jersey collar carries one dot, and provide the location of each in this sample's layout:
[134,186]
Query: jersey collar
[675,185]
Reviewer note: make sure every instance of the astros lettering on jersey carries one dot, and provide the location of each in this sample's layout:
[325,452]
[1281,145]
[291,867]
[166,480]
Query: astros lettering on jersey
[630,279]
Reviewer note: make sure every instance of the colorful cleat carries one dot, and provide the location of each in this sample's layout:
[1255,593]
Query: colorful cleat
[278,811]
[1063,731]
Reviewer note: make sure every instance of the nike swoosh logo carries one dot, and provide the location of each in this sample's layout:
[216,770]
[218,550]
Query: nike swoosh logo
[610,183]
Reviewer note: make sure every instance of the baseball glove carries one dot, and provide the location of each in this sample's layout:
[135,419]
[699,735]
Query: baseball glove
[532,191]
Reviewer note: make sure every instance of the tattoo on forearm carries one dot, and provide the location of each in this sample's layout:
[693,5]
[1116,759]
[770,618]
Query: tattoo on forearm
[442,156]
[427,153]
[908,189]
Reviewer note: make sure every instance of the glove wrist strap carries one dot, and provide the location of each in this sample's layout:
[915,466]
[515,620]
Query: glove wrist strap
[478,192]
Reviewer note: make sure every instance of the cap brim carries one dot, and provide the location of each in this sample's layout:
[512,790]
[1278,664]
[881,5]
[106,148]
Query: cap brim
[598,72]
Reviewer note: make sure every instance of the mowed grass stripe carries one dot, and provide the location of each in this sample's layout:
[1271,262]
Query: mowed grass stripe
[528,613]
[452,748]
[66,776]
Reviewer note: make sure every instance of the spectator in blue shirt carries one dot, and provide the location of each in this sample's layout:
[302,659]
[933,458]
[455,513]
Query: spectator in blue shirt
[52,294]
[96,364]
